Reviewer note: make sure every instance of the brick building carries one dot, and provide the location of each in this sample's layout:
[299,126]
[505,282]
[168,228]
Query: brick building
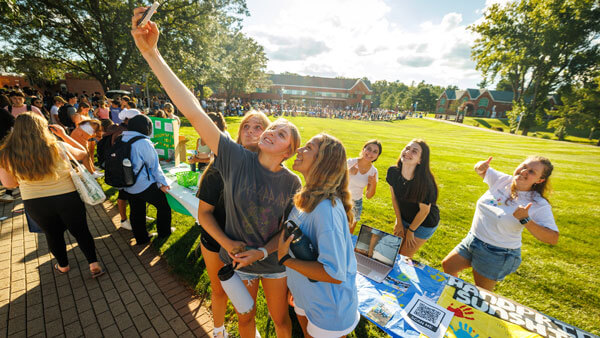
[478,102]
[312,91]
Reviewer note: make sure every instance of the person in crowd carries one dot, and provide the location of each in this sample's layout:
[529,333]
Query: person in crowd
[203,155]
[58,102]
[323,211]
[82,113]
[67,112]
[102,111]
[33,159]
[257,188]
[170,111]
[36,101]
[85,134]
[363,174]
[115,109]
[414,196]
[211,213]
[7,121]
[512,203]
[151,184]
[18,105]
[160,113]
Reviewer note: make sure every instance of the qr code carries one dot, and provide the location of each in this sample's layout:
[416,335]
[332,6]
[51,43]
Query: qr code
[426,315]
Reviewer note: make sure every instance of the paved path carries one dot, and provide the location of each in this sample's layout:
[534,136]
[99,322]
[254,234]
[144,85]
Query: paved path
[137,297]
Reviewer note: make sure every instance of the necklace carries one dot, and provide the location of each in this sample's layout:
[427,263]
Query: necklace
[404,180]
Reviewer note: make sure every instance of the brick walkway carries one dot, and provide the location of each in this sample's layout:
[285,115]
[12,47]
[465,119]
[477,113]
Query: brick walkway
[137,297]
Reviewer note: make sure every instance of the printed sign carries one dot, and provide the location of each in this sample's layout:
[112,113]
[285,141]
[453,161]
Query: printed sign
[165,137]
[427,317]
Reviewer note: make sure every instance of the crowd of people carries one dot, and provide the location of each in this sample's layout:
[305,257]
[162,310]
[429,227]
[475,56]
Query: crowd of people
[246,195]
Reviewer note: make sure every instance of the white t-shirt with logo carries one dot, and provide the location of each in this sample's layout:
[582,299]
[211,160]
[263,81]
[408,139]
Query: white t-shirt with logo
[359,181]
[494,222]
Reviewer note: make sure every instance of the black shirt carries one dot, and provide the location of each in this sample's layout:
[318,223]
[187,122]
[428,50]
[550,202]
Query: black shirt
[211,192]
[408,210]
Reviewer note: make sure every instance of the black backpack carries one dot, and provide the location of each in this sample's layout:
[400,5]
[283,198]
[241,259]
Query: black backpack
[117,163]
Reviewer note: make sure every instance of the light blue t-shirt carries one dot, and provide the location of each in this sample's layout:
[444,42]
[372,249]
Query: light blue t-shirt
[142,151]
[329,306]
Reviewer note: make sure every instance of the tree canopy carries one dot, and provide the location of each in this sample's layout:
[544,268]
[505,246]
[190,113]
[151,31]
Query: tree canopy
[93,37]
[392,95]
[537,45]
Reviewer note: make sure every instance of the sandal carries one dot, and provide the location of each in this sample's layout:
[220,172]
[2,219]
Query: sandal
[97,273]
[57,268]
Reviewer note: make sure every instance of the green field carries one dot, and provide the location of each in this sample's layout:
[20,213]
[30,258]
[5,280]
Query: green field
[561,281]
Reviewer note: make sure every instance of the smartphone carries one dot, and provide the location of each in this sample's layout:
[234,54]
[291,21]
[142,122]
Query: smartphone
[148,14]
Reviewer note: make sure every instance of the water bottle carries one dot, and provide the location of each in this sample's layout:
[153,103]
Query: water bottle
[127,172]
[301,246]
[235,289]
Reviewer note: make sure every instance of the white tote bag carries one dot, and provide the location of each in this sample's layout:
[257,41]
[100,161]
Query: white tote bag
[89,190]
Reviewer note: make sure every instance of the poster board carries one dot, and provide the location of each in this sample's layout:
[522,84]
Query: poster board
[165,136]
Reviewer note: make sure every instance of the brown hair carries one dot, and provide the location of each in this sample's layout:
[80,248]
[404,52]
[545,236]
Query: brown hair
[327,178]
[30,152]
[295,134]
[219,120]
[377,143]
[423,179]
[543,188]
[263,119]
[81,106]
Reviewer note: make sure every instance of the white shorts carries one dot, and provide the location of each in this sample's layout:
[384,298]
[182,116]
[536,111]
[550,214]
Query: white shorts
[318,332]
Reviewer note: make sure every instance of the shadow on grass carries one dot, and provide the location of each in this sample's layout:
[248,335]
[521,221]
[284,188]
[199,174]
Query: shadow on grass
[483,122]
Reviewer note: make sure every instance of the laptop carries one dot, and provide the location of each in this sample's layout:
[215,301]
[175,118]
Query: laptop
[376,252]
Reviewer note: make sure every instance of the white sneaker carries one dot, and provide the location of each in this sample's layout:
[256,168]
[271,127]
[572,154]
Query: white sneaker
[220,332]
[6,198]
[126,225]
[148,218]
[97,175]
[257,334]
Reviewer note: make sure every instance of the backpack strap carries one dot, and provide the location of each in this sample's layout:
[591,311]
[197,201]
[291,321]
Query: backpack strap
[131,142]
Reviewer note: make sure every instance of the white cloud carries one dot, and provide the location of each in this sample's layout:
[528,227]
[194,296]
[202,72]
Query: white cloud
[347,38]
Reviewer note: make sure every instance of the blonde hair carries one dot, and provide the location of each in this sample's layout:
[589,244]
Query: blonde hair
[261,117]
[327,178]
[169,108]
[295,139]
[30,152]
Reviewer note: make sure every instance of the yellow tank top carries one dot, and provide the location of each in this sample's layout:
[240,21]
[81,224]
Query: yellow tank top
[49,186]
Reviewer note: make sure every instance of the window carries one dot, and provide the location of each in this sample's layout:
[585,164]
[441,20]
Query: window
[481,112]
[443,101]
[484,102]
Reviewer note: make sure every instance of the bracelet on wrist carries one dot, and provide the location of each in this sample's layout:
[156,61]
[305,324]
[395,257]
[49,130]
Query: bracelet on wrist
[411,230]
[265,253]
[284,258]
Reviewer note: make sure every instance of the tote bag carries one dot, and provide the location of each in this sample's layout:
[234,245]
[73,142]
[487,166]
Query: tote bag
[89,190]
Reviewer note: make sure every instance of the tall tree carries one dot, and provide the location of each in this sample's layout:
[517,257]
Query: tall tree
[537,45]
[93,37]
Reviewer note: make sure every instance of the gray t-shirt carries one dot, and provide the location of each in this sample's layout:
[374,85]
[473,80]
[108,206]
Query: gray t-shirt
[255,200]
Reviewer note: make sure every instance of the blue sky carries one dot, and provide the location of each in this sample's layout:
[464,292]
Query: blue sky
[406,40]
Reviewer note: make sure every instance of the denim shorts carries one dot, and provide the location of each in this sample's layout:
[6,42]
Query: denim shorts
[422,232]
[357,209]
[252,276]
[490,261]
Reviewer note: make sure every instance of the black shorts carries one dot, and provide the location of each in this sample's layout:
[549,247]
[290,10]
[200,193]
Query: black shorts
[123,195]
[210,243]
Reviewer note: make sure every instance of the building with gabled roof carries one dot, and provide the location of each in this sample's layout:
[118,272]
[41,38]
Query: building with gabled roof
[479,102]
[314,91]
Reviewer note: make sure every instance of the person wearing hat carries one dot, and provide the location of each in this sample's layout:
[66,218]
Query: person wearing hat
[18,105]
[58,102]
[150,185]
[128,114]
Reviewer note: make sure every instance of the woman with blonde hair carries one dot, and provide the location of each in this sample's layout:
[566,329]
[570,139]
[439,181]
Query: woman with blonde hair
[33,159]
[211,215]
[257,188]
[322,210]
[170,112]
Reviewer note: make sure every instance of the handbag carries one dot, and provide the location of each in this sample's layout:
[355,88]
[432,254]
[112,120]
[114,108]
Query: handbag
[89,190]
[32,225]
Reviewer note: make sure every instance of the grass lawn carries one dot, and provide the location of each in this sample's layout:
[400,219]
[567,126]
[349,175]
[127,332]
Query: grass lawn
[560,281]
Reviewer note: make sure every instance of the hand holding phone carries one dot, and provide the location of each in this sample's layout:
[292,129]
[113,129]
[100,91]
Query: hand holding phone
[148,14]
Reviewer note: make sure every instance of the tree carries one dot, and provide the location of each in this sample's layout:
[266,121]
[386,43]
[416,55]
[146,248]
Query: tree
[580,109]
[242,64]
[93,37]
[504,85]
[537,45]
